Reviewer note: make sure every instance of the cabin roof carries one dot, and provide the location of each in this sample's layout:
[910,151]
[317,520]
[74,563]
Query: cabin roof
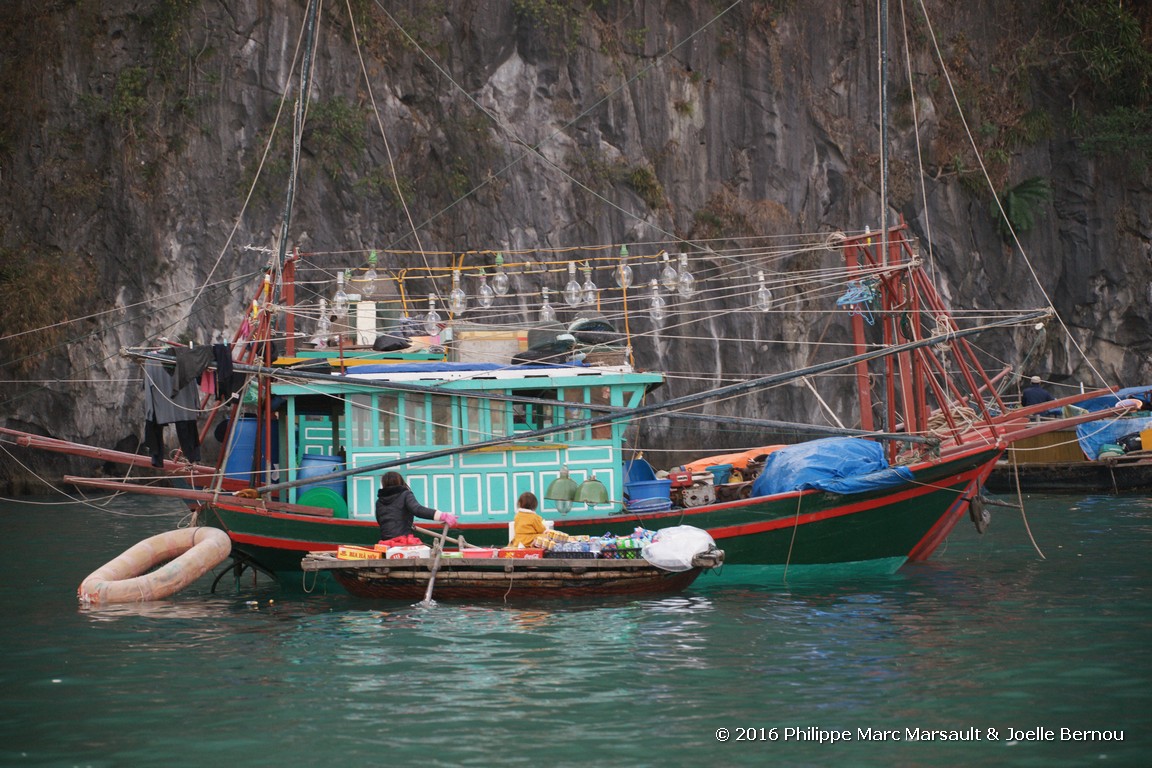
[478,376]
[473,371]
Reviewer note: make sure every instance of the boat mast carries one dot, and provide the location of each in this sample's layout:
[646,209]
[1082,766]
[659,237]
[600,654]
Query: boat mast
[851,255]
[298,124]
[288,273]
[882,21]
[264,451]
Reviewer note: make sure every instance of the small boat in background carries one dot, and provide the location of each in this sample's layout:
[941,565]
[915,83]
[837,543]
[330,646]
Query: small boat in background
[1106,456]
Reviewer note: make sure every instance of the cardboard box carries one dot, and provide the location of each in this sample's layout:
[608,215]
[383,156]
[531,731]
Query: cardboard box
[346,552]
[408,553]
[526,553]
[487,346]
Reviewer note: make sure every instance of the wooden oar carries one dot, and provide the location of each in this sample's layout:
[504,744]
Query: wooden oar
[436,563]
[458,542]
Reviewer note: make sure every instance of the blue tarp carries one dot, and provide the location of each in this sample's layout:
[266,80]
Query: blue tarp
[1094,434]
[835,464]
[1109,401]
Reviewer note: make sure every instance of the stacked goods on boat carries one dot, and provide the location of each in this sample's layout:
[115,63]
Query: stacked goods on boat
[607,547]
[349,552]
[726,477]
[553,544]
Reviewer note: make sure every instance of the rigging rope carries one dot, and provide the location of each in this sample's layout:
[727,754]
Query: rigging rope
[983,169]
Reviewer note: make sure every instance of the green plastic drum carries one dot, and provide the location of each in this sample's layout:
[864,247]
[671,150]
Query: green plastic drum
[324,497]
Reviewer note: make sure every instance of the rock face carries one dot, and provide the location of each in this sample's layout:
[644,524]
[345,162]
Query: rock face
[134,159]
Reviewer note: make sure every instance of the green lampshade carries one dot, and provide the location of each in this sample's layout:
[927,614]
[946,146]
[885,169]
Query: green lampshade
[592,491]
[562,488]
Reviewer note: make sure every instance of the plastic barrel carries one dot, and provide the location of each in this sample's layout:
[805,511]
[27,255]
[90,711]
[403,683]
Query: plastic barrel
[315,464]
[239,464]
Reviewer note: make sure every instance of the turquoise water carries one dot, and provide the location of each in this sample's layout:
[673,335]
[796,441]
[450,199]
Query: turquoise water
[986,636]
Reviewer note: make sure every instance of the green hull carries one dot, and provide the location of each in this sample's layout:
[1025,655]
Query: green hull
[802,533]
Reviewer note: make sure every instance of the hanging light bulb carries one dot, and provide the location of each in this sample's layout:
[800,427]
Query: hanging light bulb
[547,313]
[340,299]
[763,294]
[323,325]
[624,272]
[485,295]
[432,319]
[370,275]
[573,293]
[669,277]
[589,288]
[457,299]
[686,283]
[500,279]
[322,322]
[658,308]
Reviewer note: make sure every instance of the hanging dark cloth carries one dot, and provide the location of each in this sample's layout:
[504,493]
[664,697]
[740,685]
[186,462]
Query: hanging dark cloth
[161,408]
[160,405]
[190,363]
[186,434]
[224,384]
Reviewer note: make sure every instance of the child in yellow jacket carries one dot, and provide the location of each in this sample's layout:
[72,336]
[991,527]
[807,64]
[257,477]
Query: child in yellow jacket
[528,523]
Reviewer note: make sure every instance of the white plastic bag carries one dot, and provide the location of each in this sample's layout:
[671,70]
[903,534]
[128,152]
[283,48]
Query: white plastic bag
[673,548]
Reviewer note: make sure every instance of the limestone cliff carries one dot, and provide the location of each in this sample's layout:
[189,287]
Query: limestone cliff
[133,130]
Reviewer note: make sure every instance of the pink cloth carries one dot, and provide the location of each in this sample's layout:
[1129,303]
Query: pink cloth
[407,540]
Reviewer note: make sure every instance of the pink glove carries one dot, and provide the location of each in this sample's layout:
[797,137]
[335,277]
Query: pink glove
[446,517]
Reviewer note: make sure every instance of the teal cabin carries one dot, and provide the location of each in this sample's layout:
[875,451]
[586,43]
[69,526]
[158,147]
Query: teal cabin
[380,413]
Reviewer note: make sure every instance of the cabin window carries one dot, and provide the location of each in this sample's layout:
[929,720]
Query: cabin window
[442,427]
[470,408]
[535,415]
[497,417]
[362,431]
[389,420]
[416,419]
[565,414]
[601,396]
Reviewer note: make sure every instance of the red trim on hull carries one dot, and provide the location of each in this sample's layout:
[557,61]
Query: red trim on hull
[294,545]
[303,535]
[939,532]
[825,514]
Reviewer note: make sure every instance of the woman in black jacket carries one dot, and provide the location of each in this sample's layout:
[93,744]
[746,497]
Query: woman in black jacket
[396,510]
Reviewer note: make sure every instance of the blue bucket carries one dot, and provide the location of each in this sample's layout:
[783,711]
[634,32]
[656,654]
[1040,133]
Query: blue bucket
[314,465]
[647,489]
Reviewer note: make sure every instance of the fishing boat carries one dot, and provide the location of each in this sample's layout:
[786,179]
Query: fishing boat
[300,473]
[325,413]
[1107,456]
[1055,464]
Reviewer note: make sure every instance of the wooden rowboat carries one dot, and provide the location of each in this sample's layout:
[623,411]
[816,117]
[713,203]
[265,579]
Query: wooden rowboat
[506,578]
